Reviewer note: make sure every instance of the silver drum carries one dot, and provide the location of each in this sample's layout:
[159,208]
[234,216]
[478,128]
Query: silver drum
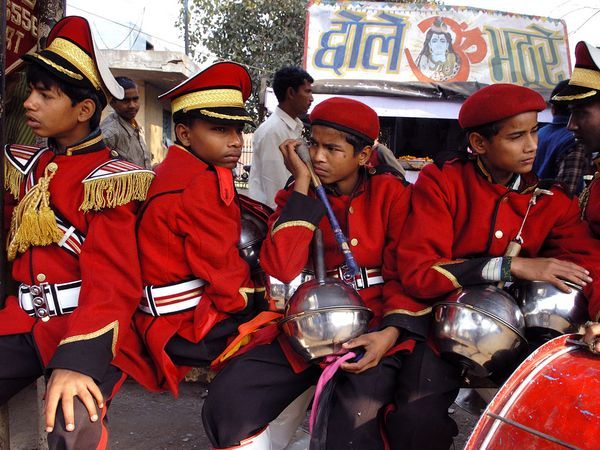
[548,311]
[321,316]
[252,235]
[279,292]
[481,329]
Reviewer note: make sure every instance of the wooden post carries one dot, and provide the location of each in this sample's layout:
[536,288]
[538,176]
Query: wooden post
[4,428]
[42,440]
[50,11]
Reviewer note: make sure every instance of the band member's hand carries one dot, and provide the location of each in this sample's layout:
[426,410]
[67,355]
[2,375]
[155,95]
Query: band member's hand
[295,165]
[376,344]
[592,336]
[62,387]
[552,270]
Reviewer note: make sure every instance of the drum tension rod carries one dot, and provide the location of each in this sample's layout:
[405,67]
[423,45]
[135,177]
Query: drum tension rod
[532,431]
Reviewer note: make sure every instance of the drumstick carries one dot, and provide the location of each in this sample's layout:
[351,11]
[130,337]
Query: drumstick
[302,151]
[514,246]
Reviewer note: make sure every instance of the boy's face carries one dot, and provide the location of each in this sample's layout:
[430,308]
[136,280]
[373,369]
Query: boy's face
[585,125]
[220,145]
[513,149]
[333,158]
[50,113]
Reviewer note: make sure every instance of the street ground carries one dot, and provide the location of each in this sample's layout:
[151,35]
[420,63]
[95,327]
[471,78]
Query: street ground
[147,421]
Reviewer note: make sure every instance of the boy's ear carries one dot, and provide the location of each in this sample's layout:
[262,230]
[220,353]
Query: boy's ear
[477,143]
[364,155]
[183,134]
[87,108]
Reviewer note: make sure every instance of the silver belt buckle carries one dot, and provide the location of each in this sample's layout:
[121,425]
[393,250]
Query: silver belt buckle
[39,301]
[347,276]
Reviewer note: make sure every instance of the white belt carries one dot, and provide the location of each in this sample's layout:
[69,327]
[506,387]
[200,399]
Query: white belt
[366,277]
[172,298]
[46,300]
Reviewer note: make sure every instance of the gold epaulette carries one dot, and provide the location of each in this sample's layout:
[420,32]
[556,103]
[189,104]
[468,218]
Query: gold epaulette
[19,160]
[115,183]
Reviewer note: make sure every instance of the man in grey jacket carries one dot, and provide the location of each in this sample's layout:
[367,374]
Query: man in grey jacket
[121,131]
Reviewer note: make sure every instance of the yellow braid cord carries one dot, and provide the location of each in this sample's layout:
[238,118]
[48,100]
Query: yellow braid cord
[12,179]
[115,191]
[33,222]
[584,197]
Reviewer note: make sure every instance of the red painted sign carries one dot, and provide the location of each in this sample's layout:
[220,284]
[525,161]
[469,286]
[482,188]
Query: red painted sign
[21,30]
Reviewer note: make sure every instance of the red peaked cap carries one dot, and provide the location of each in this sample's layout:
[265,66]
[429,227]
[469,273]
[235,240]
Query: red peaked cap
[218,93]
[77,30]
[584,85]
[70,55]
[497,102]
[350,116]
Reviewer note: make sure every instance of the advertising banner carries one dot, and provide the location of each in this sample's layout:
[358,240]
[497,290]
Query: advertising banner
[21,30]
[354,40]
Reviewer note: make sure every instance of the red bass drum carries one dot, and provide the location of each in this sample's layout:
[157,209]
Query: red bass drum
[552,401]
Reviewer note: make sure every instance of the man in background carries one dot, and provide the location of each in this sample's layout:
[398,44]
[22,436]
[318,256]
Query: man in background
[121,131]
[293,89]
[559,156]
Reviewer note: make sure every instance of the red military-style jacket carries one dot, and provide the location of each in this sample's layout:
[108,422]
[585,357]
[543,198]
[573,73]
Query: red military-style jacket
[372,218]
[188,231]
[460,219]
[100,251]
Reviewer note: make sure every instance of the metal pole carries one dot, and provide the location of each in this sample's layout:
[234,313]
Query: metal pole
[186,27]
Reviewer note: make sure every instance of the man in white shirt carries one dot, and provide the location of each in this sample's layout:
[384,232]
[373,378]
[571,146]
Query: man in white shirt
[293,88]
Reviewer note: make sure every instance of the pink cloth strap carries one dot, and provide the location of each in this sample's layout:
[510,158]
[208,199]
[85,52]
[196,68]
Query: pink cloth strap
[334,364]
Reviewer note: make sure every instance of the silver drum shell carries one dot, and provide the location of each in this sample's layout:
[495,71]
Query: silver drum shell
[322,315]
[316,334]
[548,311]
[481,329]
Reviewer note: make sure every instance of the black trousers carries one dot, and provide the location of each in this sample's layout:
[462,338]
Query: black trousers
[418,389]
[426,387]
[20,365]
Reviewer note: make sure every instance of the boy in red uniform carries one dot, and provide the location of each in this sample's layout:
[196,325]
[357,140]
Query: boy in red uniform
[371,207]
[466,212]
[197,288]
[583,96]
[71,242]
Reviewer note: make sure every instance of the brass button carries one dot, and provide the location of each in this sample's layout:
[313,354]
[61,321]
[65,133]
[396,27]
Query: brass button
[41,277]
[351,210]
[372,170]
[354,242]
[499,234]
[114,153]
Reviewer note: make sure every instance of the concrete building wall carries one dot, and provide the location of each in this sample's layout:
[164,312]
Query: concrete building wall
[154,123]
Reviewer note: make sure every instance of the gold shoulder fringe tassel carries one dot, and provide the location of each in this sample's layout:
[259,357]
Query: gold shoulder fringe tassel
[33,222]
[12,179]
[115,191]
